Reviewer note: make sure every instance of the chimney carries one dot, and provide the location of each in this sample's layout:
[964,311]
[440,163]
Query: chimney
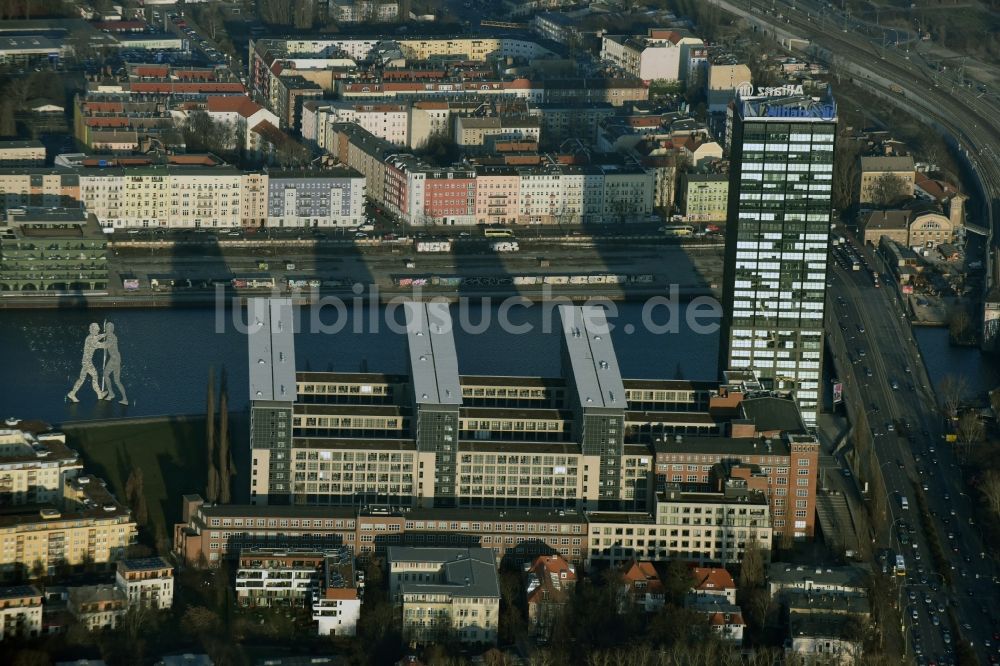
[956,211]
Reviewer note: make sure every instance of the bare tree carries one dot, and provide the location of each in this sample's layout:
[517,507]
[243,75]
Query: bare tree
[952,390]
[888,190]
[989,486]
[752,565]
[959,322]
[970,429]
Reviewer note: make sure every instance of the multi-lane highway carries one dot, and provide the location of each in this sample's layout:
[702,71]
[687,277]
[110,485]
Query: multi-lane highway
[888,376]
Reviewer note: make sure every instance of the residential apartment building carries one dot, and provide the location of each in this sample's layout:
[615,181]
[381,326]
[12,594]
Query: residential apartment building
[98,607]
[20,612]
[279,576]
[661,55]
[472,131]
[445,592]
[722,81]
[146,582]
[705,197]
[363,11]
[40,187]
[560,122]
[428,119]
[550,193]
[874,168]
[336,603]
[22,153]
[327,198]
[777,240]
[34,467]
[91,527]
[390,122]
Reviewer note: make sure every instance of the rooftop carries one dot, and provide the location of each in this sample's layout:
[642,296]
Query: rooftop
[433,360]
[879,163]
[464,572]
[19,592]
[789,575]
[271,348]
[144,564]
[591,356]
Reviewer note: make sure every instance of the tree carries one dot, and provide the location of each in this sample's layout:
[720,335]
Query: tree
[952,390]
[845,168]
[225,456]
[888,190]
[31,658]
[212,489]
[677,581]
[200,621]
[970,428]
[989,486]
[752,565]
[958,324]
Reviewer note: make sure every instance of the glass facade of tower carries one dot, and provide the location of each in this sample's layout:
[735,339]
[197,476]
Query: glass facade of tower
[777,242]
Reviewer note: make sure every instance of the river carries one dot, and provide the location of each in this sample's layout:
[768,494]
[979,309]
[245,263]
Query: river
[166,354]
[981,372]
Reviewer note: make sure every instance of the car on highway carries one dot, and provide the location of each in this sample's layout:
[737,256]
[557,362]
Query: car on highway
[891,428]
[868,371]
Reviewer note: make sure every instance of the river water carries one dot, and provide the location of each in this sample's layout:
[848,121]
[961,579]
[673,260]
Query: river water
[166,354]
[982,373]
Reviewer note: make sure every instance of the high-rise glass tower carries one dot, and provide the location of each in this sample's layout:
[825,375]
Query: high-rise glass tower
[777,240]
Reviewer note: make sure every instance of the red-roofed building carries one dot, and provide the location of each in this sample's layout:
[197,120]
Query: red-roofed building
[712,582]
[551,580]
[725,619]
[642,585]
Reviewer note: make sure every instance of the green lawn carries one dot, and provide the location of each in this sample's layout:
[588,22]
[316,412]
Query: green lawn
[170,452]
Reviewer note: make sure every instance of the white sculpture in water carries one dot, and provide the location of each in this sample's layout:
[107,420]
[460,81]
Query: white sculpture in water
[112,365]
[107,341]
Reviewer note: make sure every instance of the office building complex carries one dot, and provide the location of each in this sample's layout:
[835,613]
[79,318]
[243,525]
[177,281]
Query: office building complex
[776,241]
[588,440]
